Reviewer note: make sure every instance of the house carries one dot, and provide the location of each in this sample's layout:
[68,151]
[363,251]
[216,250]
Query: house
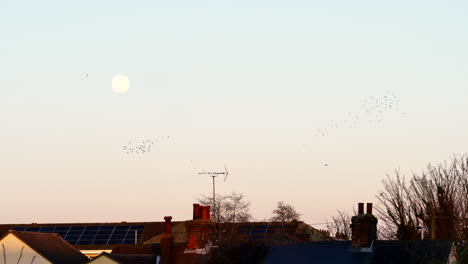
[200,234]
[38,248]
[340,252]
[364,248]
[192,241]
[94,238]
[201,241]
[266,232]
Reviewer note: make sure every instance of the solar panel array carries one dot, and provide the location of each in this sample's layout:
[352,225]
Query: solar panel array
[92,235]
[267,231]
[254,232]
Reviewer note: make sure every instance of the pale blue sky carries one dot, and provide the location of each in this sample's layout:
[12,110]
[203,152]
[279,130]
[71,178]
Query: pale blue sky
[241,83]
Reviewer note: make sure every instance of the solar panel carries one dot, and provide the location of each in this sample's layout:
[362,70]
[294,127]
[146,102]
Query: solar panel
[48,229]
[122,228]
[107,228]
[244,229]
[253,238]
[258,231]
[92,235]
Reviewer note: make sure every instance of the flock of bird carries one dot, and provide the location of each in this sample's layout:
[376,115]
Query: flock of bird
[373,110]
[142,147]
[377,107]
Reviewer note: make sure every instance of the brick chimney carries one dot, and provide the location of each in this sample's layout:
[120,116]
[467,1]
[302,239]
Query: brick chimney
[167,242]
[197,210]
[206,213]
[363,227]
[201,229]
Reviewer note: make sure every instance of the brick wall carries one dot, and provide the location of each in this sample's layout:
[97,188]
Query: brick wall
[363,227]
[199,232]
[167,248]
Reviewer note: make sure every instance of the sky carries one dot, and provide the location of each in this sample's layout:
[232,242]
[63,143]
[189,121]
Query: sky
[308,102]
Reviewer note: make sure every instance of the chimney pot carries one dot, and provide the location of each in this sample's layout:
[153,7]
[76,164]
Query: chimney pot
[196,212]
[369,208]
[360,208]
[168,224]
[206,213]
[200,212]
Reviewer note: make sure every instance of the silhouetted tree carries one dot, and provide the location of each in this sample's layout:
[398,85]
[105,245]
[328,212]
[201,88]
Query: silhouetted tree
[436,199]
[285,213]
[232,208]
[340,226]
[396,210]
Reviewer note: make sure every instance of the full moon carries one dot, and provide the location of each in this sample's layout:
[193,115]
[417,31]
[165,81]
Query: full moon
[120,83]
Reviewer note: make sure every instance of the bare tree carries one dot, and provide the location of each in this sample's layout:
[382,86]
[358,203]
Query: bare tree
[436,199]
[285,213]
[340,226]
[236,208]
[396,210]
[232,208]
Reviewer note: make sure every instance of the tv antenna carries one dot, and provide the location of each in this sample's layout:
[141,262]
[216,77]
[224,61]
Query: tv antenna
[214,174]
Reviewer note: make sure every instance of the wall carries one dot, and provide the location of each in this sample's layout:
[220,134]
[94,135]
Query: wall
[94,253]
[11,248]
[102,260]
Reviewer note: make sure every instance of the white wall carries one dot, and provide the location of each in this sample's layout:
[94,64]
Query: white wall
[11,248]
[102,260]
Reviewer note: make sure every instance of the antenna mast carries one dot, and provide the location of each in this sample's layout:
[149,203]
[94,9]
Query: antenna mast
[213,175]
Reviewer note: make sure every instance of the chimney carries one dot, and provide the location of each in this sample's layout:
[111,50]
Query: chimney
[360,208]
[363,227]
[168,225]
[196,211]
[201,229]
[206,213]
[167,242]
[369,208]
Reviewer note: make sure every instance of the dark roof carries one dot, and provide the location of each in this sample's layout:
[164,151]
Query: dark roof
[136,249]
[270,232]
[52,247]
[273,232]
[178,231]
[339,252]
[148,231]
[267,232]
[131,258]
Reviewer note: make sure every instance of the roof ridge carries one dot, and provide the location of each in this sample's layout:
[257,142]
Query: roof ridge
[25,236]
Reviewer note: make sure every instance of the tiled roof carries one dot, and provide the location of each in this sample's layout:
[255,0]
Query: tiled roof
[52,247]
[338,252]
[150,230]
[269,232]
[130,258]
[136,249]
[179,232]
